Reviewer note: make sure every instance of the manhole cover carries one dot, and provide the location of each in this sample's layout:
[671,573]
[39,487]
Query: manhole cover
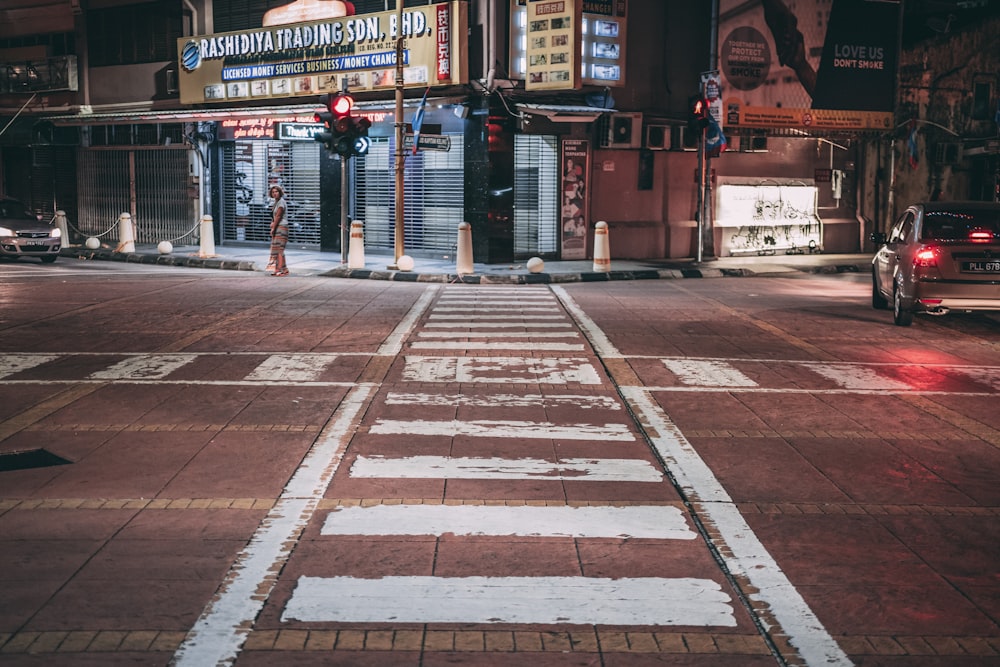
[31,458]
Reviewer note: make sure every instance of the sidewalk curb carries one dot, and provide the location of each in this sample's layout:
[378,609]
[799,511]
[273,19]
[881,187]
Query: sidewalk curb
[190,261]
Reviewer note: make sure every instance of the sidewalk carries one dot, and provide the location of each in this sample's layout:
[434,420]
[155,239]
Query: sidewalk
[308,262]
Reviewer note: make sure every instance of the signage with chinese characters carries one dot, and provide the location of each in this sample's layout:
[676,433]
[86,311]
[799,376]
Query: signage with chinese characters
[317,57]
[564,44]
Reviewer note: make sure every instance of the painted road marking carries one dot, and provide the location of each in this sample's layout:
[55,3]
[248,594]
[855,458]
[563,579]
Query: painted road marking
[446,467]
[850,376]
[547,600]
[511,345]
[743,553]
[227,620]
[707,373]
[291,367]
[488,304]
[15,363]
[483,310]
[147,367]
[584,401]
[554,370]
[503,429]
[569,333]
[473,317]
[987,376]
[465,324]
[658,522]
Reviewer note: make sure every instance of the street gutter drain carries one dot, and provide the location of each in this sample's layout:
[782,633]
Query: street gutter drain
[30,458]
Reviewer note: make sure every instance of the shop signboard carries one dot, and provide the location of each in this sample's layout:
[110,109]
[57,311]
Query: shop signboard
[811,64]
[564,44]
[316,57]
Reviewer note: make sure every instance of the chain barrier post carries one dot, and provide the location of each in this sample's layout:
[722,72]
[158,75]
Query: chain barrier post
[602,248]
[207,247]
[126,233]
[463,256]
[356,256]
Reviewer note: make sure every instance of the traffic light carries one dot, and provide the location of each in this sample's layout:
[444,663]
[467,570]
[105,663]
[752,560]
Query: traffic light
[325,136]
[343,124]
[698,113]
[359,135]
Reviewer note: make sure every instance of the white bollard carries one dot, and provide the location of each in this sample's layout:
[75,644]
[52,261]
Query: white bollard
[126,233]
[207,247]
[63,227]
[356,252]
[602,248]
[463,257]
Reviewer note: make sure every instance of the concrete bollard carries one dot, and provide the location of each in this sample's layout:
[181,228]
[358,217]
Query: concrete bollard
[126,233]
[356,252]
[602,248]
[463,257]
[63,227]
[207,247]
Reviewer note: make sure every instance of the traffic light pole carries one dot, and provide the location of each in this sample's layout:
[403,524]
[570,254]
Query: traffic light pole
[345,212]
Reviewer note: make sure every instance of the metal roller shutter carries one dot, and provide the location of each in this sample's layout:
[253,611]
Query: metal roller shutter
[157,199]
[536,195]
[249,169]
[434,197]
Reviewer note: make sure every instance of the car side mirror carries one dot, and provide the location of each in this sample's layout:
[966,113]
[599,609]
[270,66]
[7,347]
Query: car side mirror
[878,238]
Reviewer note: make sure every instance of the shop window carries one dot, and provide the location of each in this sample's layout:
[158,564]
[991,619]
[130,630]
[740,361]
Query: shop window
[132,34]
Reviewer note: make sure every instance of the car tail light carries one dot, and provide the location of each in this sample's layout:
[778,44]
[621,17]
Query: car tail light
[930,302]
[925,257]
[980,236]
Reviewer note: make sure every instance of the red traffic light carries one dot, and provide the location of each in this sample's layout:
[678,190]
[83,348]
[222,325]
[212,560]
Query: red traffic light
[341,105]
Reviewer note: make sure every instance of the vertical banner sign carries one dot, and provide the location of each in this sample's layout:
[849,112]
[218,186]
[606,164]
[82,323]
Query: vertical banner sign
[443,44]
[573,219]
[553,47]
[824,64]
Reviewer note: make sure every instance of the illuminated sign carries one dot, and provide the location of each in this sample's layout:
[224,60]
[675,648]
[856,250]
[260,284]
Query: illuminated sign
[564,44]
[318,57]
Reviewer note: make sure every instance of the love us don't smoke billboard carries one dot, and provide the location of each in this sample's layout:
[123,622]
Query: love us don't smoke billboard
[821,64]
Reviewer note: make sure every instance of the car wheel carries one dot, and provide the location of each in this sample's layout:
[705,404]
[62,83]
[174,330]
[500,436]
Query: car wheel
[900,316]
[879,302]
[48,259]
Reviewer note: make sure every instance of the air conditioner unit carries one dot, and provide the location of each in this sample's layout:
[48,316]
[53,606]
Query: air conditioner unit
[658,137]
[47,75]
[948,152]
[621,130]
[754,141]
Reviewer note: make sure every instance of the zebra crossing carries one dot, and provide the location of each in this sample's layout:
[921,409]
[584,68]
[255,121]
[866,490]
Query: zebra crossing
[602,447]
[492,338]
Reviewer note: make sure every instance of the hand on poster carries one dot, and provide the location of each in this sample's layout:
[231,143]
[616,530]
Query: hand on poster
[788,42]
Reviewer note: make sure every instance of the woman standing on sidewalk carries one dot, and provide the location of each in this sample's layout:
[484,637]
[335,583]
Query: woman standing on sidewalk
[279,231]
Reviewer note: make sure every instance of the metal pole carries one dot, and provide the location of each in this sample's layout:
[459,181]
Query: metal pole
[400,125]
[345,213]
[701,196]
[706,183]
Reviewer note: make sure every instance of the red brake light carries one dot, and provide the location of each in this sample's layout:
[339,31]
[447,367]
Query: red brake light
[980,236]
[925,257]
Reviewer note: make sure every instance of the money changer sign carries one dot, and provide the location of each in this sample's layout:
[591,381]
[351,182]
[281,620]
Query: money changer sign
[311,58]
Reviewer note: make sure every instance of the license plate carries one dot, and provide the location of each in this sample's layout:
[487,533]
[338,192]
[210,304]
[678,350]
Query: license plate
[982,267]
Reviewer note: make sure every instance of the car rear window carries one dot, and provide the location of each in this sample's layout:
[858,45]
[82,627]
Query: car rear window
[957,225]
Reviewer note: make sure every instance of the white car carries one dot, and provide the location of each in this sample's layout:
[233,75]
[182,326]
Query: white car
[939,257]
[24,235]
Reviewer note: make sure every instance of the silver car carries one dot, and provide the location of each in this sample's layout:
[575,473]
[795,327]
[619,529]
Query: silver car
[22,234]
[939,257]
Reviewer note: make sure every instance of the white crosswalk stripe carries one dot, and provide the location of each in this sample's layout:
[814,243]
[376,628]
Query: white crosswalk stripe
[503,429]
[562,600]
[291,367]
[145,367]
[659,522]
[445,467]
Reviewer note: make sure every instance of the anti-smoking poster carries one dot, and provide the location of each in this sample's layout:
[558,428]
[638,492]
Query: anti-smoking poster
[809,63]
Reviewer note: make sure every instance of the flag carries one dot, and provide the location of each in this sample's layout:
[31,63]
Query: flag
[911,145]
[418,119]
[715,138]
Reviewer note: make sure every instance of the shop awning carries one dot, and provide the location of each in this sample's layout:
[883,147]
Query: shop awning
[562,113]
[177,115]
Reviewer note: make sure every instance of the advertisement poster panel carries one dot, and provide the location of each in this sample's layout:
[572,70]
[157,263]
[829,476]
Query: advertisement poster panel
[315,57]
[573,219]
[826,64]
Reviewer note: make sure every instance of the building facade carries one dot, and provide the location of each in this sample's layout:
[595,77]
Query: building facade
[554,115]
